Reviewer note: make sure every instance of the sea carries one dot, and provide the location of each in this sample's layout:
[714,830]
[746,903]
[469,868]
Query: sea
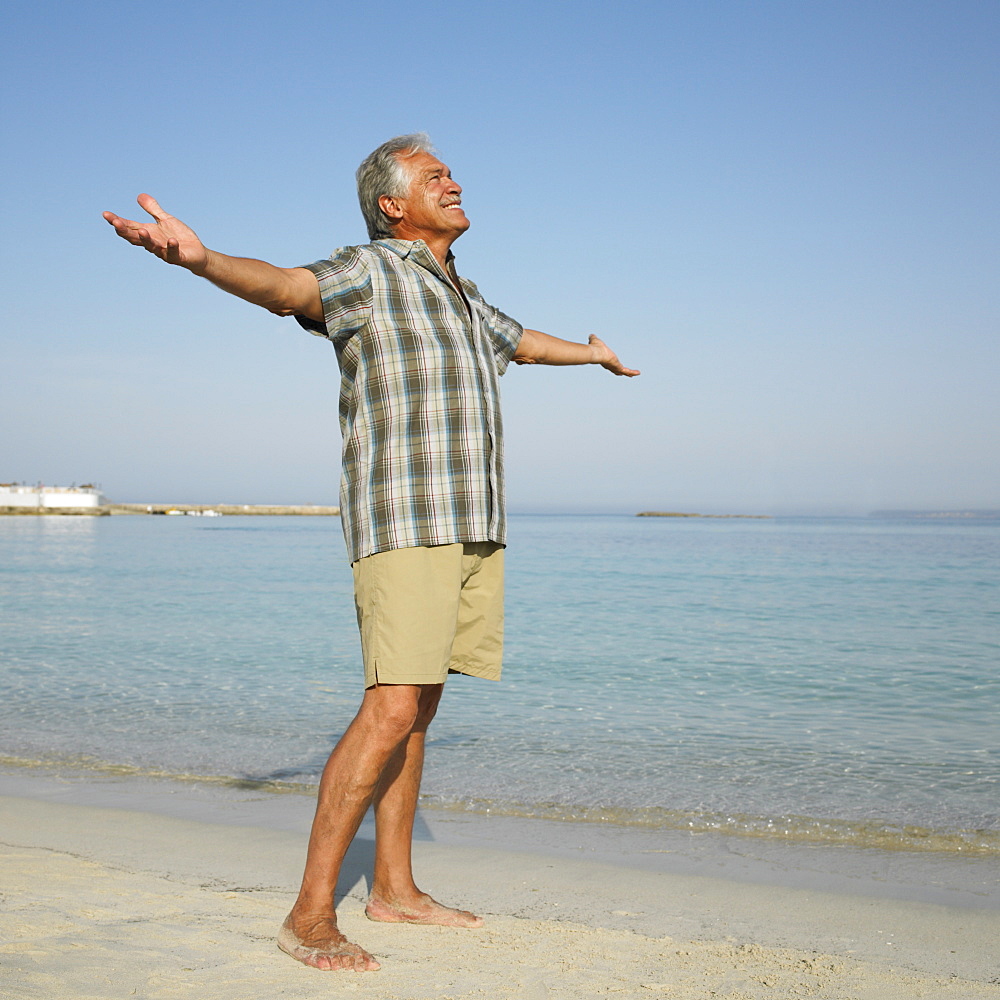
[823,680]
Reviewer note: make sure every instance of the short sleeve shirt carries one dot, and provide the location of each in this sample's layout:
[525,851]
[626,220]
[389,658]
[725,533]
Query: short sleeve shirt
[420,366]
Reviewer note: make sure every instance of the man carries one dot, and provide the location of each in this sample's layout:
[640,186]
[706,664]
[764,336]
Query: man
[422,502]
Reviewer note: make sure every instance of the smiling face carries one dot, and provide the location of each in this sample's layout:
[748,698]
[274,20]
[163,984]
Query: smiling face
[432,208]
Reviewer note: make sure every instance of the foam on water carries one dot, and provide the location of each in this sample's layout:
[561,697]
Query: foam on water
[795,829]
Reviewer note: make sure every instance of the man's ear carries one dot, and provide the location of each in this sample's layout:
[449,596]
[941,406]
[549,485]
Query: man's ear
[390,207]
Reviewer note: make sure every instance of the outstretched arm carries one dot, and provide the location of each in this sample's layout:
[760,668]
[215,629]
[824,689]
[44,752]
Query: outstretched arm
[537,348]
[291,291]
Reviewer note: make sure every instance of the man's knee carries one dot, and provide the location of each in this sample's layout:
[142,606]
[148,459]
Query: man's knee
[393,709]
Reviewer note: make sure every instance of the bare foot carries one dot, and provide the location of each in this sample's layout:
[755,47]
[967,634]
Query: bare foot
[317,942]
[420,910]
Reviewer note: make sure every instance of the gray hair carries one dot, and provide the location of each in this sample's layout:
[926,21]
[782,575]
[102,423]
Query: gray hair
[384,172]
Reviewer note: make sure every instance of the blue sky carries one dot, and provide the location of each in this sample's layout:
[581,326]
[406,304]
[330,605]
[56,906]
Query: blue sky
[784,213]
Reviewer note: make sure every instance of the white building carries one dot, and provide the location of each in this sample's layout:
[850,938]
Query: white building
[12,495]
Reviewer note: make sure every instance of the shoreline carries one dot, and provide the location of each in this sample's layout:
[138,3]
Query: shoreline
[242,509]
[99,862]
[230,509]
[780,832]
[938,877]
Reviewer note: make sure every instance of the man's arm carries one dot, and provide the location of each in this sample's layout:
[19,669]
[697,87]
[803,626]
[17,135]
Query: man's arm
[537,348]
[287,291]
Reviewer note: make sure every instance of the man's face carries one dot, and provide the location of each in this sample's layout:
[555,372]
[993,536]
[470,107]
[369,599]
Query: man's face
[432,206]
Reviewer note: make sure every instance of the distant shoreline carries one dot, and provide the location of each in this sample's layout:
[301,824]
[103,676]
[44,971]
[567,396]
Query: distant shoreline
[302,509]
[325,510]
[307,510]
[46,511]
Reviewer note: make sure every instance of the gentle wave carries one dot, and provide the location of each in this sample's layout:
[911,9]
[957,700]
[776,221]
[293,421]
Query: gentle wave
[872,834]
[792,829]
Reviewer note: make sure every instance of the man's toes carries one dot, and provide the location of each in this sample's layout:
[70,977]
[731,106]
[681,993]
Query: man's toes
[359,963]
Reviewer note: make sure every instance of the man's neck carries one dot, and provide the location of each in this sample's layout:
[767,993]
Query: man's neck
[438,244]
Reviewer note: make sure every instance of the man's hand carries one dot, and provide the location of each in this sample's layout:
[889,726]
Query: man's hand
[537,348]
[606,358]
[285,291]
[168,238]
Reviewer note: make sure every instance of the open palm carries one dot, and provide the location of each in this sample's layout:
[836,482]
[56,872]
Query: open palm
[168,238]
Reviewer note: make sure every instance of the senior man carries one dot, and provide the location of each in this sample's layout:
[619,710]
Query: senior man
[422,500]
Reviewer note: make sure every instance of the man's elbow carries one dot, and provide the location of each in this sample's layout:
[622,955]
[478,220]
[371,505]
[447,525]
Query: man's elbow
[528,349]
[299,296]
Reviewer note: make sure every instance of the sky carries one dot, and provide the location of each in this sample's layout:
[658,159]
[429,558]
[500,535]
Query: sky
[784,212]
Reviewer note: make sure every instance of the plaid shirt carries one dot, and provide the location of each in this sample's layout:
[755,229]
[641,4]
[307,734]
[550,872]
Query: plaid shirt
[419,398]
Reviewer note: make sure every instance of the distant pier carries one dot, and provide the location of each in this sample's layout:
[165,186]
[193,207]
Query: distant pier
[19,499]
[307,510]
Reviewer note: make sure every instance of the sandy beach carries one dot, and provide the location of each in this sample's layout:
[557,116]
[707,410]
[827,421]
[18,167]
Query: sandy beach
[181,897]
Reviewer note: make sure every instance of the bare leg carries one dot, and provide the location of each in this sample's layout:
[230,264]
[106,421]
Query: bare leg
[395,897]
[350,778]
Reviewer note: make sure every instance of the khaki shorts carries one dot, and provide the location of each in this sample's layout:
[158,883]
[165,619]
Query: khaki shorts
[429,610]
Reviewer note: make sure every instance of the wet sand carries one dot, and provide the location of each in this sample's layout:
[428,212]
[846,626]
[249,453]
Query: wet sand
[181,895]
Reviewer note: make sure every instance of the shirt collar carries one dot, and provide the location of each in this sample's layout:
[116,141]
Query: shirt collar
[418,248]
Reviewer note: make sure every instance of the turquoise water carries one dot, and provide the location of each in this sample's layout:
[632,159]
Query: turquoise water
[797,678]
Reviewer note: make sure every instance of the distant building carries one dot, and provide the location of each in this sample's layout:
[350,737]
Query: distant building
[12,495]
